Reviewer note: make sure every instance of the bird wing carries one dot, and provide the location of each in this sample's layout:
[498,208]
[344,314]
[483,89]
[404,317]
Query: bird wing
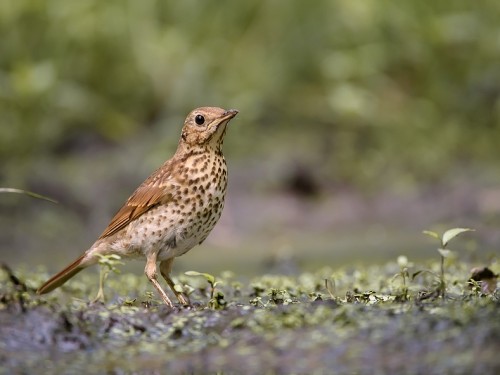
[153,191]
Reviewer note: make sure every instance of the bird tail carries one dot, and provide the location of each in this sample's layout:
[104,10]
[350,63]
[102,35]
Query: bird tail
[60,278]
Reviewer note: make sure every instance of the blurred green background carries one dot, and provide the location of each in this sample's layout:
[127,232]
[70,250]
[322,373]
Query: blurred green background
[361,123]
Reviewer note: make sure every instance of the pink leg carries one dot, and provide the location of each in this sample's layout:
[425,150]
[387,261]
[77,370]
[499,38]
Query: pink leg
[165,268]
[150,272]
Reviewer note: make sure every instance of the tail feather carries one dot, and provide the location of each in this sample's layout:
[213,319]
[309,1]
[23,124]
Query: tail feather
[60,278]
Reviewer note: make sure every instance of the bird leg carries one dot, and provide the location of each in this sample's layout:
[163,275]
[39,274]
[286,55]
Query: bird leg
[165,268]
[150,271]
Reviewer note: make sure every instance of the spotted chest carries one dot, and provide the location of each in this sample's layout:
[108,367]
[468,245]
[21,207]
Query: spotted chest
[201,199]
[185,221]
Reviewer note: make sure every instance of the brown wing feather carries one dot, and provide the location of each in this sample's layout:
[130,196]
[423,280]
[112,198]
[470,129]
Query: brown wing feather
[152,192]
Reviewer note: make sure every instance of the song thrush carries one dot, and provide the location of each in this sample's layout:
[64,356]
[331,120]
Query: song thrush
[173,210]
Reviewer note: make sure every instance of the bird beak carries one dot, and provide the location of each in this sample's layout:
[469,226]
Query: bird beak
[229,114]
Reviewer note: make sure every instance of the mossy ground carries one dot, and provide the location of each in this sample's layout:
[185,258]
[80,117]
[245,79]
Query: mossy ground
[362,320]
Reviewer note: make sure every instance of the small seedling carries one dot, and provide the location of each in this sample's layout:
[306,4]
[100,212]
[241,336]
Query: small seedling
[107,264]
[330,288]
[216,298]
[444,252]
[404,274]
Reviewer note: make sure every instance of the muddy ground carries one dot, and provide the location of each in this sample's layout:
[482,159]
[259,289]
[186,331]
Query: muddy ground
[363,321]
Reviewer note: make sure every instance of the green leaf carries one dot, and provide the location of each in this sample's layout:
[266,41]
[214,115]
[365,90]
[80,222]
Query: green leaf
[210,278]
[445,253]
[29,193]
[431,233]
[178,288]
[452,233]
[192,273]
[415,274]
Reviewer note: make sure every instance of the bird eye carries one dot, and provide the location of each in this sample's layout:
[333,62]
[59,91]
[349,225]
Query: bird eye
[199,119]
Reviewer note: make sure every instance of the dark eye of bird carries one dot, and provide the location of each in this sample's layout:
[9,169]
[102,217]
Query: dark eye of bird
[199,119]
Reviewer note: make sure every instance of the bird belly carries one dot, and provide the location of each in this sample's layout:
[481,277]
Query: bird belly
[182,247]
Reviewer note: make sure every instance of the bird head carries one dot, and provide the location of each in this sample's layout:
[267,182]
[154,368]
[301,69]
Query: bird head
[206,126]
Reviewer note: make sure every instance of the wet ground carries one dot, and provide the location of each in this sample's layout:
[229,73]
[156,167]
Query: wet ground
[360,320]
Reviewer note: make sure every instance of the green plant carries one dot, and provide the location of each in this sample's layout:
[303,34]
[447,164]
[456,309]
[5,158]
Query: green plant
[107,263]
[29,193]
[330,287]
[404,275]
[279,296]
[216,301]
[444,252]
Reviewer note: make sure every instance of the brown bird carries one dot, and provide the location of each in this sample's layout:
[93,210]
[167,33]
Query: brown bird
[173,210]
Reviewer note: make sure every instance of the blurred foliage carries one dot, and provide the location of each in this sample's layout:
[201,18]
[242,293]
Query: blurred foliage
[365,89]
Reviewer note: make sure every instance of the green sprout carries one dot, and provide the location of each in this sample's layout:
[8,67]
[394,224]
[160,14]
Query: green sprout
[107,263]
[444,252]
[404,274]
[216,301]
[330,287]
